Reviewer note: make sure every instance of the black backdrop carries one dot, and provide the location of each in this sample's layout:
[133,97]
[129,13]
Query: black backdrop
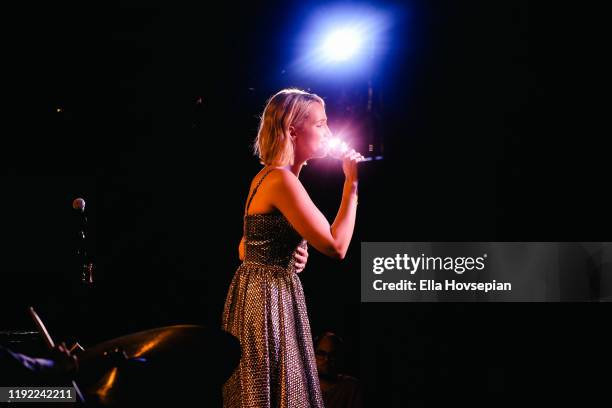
[489,116]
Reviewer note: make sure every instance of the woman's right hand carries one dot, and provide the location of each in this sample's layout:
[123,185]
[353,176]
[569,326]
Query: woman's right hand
[350,158]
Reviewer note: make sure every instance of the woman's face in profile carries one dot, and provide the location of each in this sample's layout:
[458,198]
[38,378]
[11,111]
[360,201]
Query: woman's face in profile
[312,133]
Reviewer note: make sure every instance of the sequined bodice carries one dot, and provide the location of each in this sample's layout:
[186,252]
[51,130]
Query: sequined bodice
[270,240]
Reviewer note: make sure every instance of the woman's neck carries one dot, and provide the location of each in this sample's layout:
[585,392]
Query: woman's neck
[296,168]
[298,163]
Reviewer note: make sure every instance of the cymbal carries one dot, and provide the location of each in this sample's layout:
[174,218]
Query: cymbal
[147,364]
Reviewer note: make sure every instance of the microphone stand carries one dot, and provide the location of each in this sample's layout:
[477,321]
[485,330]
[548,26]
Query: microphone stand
[85,264]
[84,296]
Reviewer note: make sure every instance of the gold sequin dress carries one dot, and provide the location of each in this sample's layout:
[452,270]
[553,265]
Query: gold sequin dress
[266,311]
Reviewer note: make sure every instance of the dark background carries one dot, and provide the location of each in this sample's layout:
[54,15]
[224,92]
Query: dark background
[489,117]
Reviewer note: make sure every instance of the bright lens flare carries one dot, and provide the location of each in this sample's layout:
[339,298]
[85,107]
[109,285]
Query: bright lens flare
[333,143]
[334,147]
[342,44]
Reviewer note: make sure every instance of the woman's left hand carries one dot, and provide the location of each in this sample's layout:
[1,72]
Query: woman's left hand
[301,257]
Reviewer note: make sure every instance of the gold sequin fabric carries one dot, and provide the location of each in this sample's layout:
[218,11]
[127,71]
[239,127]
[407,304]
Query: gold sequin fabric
[265,309]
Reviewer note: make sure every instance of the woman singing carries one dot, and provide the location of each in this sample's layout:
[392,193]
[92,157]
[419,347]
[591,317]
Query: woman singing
[265,307]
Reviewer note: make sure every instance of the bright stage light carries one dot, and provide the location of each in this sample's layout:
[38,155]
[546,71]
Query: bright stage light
[342,44]
[342,41]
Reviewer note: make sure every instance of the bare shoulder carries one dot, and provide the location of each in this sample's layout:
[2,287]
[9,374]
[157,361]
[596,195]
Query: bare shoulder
[283,178]
[278,182]
[268,175]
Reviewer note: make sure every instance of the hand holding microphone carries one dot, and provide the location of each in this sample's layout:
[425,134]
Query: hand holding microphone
[339,149]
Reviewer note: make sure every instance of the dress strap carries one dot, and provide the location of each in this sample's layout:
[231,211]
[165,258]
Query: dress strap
[255,190]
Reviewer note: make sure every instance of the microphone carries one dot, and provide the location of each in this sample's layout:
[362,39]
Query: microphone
[335,147]
[85,263]
[79,204]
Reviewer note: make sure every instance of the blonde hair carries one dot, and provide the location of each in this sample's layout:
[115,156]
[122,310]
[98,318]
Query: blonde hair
[289,107]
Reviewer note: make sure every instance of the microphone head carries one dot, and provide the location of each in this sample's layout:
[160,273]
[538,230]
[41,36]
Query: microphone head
[78,204]
[335,147]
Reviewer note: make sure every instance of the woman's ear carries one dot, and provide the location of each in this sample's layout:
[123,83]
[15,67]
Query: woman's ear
[292,132]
